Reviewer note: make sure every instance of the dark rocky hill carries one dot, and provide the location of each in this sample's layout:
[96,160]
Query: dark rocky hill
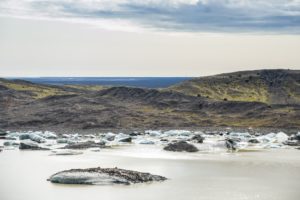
[267,86]
[24,105]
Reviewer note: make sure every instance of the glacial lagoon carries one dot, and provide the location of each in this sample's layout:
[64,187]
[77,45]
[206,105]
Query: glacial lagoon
[211,173]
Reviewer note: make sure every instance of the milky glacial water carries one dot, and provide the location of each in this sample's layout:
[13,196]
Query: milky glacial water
[269,174]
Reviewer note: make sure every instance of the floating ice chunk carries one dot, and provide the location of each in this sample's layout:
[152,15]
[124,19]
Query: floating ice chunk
[121,137]
[32,136]
[62,141]
[242,136]
[66,136]
[178,132]
[96,149]
[37,138]
[242,145]
[11,143]
[109,136]
[281,137]
[269,138]
[49,135]
[144,141]
[153,133]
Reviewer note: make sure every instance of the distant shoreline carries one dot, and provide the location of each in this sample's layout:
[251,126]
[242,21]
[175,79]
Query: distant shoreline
[211,130]
[145,82]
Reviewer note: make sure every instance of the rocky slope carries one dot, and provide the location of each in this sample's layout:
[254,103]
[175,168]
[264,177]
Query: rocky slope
[136,108]
[267,86]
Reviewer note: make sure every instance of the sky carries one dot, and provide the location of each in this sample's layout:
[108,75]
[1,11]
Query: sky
[147,37]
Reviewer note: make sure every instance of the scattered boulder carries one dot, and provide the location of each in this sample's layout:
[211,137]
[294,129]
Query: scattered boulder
[198,138]
[297,137]
[164,140]
[253,141]
[29,145]
[84,145]
[103,176]
[181,146]
[2,134]
[135,133]
[125,139]
[232,144]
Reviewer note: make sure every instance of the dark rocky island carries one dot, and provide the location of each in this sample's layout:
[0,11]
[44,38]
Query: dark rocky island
[181,146]
[103,176]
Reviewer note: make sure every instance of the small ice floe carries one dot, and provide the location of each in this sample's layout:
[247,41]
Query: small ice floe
[294,140]
[241,136]
[153,133]
[12,136]
[62,141]
[49,135]
[90,136]
[109,136]
[35,137]
[268,138]
[11,143]
[247,142]
[145,141]
[96,149]
[30,145]
[178,133]
[273,138]
[281,137]
[65,152]
[66,136]
[124,138]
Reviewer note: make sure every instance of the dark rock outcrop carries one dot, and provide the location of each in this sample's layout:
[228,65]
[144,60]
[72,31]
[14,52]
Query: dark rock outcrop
[2,133]
[181,146]
[198,138]
[103,176]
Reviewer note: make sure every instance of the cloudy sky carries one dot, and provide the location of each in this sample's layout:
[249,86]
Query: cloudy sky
[147,37]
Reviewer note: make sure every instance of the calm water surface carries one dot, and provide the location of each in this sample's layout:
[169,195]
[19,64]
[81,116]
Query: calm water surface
[272,175]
